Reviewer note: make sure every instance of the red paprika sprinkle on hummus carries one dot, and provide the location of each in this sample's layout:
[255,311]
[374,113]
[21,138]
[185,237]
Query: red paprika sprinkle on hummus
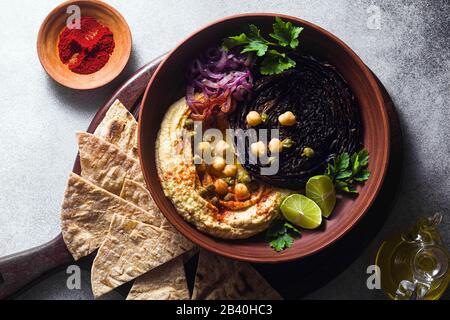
[86,50]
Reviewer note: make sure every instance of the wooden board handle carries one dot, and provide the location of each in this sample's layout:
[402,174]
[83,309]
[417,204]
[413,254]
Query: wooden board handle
[19,269]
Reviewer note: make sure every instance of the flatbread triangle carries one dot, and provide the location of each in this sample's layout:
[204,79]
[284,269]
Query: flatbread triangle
[105,165]
[166,282]
[119,128]
[87,211]
[131,249]
[219,278]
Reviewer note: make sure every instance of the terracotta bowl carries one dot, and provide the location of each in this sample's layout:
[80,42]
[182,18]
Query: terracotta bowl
[167,86]
[48,38]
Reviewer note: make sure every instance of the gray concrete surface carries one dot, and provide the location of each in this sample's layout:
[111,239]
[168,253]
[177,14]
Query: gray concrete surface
[38,119]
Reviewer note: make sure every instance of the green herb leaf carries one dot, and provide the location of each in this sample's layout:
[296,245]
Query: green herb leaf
[355,165]
[276,228]
[292,228]
[285,33]
[252,42]
[255,33]
[345,170]
[275,62]
[341,185]
[342,162]
[343,175]
[259,47]
[363,157]
[362,176]
[330,172]
[256,46]
[345,186]
[350,189]
[353,157]
[231,42]
[281,234]
[282,242]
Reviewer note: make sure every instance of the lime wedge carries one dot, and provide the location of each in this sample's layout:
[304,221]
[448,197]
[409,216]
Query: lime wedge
[301,211]
[321,190]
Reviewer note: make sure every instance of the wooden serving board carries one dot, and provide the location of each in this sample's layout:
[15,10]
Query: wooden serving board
[293,280]
[20,269]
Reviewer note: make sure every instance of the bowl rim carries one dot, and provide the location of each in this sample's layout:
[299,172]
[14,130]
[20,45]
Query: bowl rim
[108,78]
[377,184]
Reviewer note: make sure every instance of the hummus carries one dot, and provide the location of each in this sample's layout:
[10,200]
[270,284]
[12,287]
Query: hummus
[180,181]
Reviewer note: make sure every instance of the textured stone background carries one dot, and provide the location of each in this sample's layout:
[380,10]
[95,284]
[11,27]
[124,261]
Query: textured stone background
[410,54]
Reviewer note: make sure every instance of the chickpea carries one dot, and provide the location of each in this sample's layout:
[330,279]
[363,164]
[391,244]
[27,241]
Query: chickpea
[307,152]
[221,187]
[287,143]
[218,163]
[243,177]
[253,118]
[287,119]
[275,146]
[230,170]
[241,191]
[204,148]
[221,148]
[258,148]
[264,117]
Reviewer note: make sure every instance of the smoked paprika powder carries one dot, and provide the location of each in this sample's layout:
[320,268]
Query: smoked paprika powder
[87,49]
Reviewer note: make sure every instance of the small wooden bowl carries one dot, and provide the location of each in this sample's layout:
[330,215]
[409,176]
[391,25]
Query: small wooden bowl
[167,85]
[48,37]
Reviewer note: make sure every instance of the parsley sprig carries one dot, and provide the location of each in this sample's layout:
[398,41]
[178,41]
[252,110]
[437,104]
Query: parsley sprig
[281,234]
[274,53]
[346,170]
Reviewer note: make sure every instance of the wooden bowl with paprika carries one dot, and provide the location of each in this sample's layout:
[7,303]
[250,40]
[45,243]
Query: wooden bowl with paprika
[84,44]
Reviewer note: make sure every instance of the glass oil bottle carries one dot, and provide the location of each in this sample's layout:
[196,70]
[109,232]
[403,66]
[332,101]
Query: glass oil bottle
[415,263]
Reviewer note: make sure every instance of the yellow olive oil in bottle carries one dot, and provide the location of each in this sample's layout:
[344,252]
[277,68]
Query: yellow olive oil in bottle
[415,263]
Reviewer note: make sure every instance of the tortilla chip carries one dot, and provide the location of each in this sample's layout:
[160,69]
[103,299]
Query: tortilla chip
[131,249]
[167,282]
[138,194]
[119,128]
[105,164]
[219,278]
[87,211]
